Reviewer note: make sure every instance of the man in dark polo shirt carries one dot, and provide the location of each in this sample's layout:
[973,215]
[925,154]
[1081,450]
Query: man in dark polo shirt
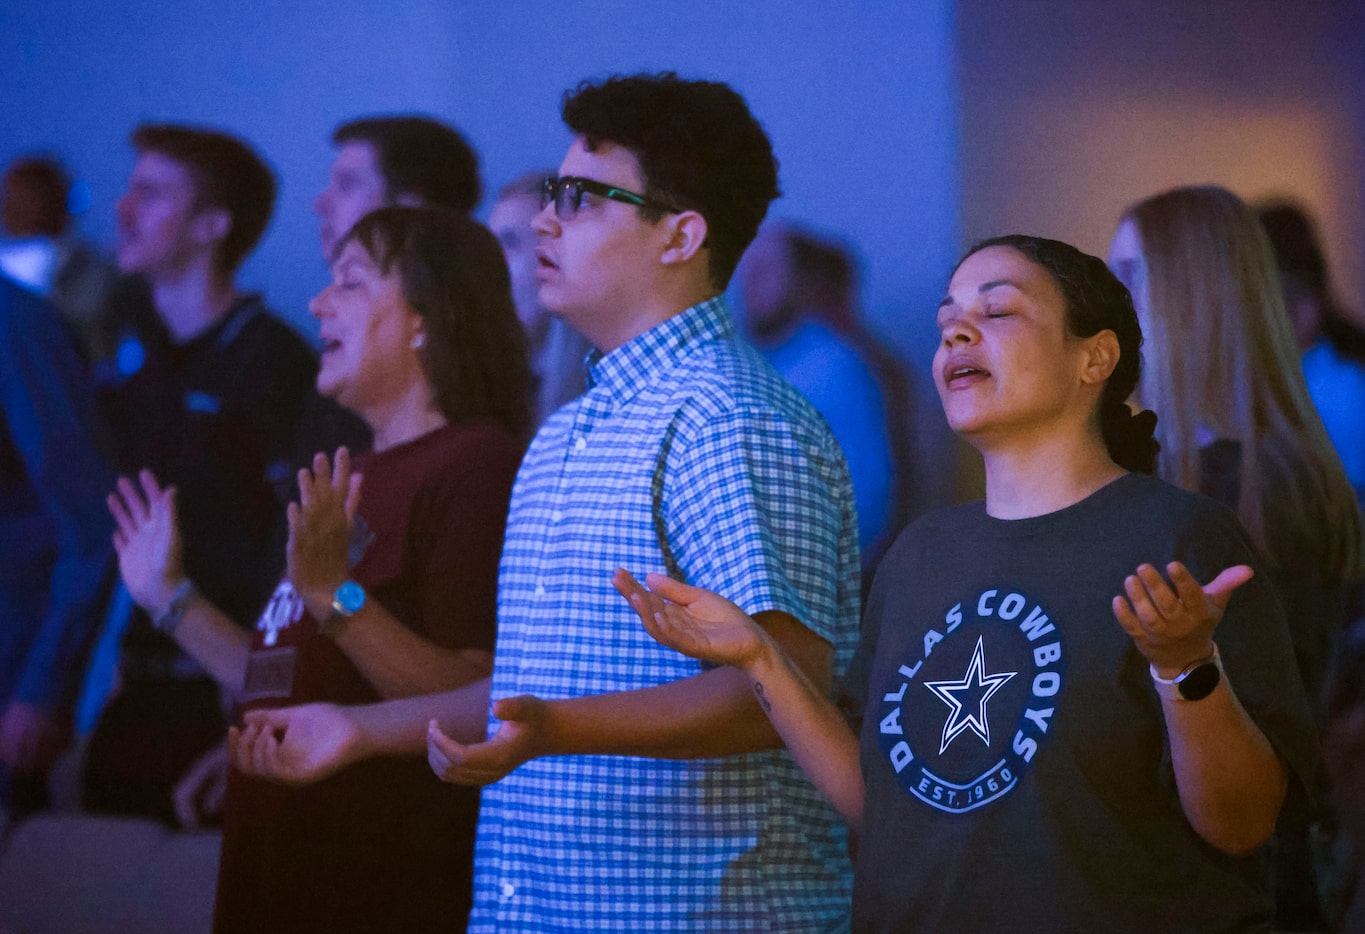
[212,410]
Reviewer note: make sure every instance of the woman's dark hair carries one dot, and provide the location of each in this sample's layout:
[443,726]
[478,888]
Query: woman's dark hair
[1097,301]
[454,277]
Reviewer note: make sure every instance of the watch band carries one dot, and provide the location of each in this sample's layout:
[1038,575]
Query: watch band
[169,619]
[1195,682]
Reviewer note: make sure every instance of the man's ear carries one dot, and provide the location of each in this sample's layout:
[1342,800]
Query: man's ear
[686,234]
[1101,357]
[212,225]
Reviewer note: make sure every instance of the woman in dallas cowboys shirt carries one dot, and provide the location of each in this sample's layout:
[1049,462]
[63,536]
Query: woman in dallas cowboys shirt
[1052,737]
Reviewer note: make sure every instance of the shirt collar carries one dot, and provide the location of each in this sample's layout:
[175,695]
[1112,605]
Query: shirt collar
[626,369]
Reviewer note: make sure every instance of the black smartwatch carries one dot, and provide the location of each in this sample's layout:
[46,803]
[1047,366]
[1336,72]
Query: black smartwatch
[1194,683]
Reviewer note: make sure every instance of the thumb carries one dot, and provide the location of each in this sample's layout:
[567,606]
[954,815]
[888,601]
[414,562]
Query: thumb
[524,708]
[269,719]
[1219,590]
[674,591]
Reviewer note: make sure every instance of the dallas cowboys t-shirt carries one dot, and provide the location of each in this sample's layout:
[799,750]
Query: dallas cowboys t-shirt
[1017,767]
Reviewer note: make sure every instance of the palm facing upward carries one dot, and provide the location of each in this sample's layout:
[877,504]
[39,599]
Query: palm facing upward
[693,621]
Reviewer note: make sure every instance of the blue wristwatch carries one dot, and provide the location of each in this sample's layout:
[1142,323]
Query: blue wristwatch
[346,602]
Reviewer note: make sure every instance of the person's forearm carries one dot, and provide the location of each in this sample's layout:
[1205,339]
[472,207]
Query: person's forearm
[714,713]
[212,639]
[400,663]
[396,661]
[399,727]
[708,715]
[814,729]
[1230,780]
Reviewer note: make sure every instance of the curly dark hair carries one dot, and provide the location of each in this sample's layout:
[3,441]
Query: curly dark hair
[454,276]
[699,149]
[227,173]
[420,157]
[1097,301]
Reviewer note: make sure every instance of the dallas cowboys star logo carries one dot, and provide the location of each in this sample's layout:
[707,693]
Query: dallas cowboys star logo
[977,682]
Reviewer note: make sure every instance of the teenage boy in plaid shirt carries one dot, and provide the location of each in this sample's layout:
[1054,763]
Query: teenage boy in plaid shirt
[630,788]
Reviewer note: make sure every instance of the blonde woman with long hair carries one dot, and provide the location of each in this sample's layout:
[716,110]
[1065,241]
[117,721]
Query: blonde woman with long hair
[1236,421]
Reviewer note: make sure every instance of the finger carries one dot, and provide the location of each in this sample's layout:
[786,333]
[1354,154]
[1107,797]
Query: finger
[1127,619]
[341,472]
[150,488]
[437,739]
[644,603]
[120,541]
[305,486]
[626,584]
[1219,590]
[353,496]
[262,753]
[132,499]
[436,761]
[182,800]
[126,525]
[524,708]
[239,746]
[676,591]
[1163,597]
[274,719]
[1147,614]
[322,469]
[656,626]
[293,514]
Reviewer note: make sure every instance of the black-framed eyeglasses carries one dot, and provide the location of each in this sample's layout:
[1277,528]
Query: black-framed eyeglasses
[565,192]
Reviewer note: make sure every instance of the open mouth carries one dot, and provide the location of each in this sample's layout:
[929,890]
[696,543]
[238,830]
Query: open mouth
[961,374]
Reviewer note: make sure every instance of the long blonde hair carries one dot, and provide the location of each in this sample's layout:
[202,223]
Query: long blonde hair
[1222,359]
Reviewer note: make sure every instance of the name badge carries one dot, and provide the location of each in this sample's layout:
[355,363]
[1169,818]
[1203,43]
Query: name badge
[269,674]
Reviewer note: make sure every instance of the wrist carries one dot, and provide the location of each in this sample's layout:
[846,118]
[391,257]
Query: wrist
[156,599]
[1194,682]
[1167,671]
[766,658]
[317,600]
[368,735]
[171,614]
[550,736]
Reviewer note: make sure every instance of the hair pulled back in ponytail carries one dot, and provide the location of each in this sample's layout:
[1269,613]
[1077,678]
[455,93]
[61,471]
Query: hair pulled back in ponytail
[1096,301]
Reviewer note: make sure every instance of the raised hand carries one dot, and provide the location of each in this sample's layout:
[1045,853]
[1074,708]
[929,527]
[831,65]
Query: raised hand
[295,745]
[693,621]
[320,527]
[147,539]
[519,739]
[1172,622]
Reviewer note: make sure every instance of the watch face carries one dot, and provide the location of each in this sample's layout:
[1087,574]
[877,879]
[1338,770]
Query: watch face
[349,597]
[1200,683]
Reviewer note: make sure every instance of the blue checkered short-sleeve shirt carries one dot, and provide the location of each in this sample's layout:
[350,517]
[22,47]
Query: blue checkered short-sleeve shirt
[687,455]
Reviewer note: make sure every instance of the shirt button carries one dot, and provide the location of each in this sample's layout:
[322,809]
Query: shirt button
[580,444]
[540,590]
[508,890]
[556,516]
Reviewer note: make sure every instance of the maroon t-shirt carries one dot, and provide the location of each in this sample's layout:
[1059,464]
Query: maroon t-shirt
[383,845]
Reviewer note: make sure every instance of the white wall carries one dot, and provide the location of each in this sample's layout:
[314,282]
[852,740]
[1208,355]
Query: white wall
[1073,109]
[858,98]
